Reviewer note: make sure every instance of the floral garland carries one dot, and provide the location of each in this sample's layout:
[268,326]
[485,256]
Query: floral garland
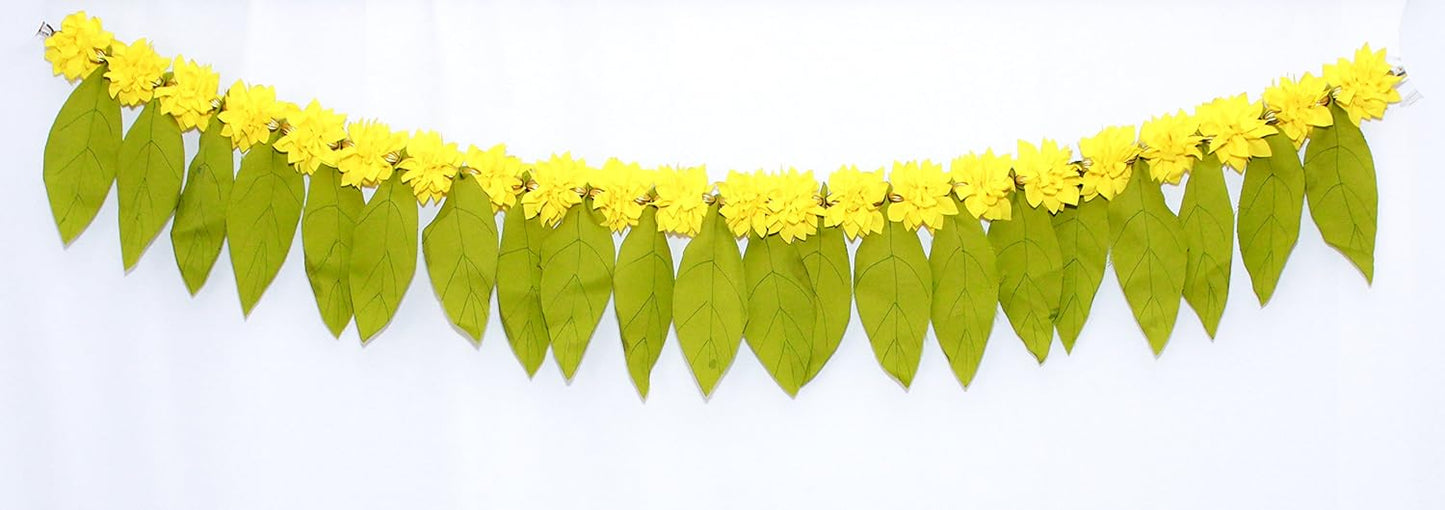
[1055,219]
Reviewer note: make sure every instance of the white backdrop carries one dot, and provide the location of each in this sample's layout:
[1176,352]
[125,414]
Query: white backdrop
[121,391]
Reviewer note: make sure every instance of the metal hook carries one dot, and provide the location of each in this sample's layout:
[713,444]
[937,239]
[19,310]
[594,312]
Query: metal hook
[45,30]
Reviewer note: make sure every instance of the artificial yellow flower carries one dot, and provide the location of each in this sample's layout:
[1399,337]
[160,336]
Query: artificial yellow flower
[135,71]
[1235,130]
[310,137]
[498,173]
[249,114]
[1171,144]
[1364,87]
[561,181]
[1108,161]
[75,49]
[368,156]
[854,201]
[1298,106]
[745,202]
[190,95]
[621,194]
[1047,175]
[793,207]
[430,166]
[921,190]
[983,183]
[681,199]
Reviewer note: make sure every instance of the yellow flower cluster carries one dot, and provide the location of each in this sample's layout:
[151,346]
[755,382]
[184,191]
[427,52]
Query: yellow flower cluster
[249,114]
[560,184]
[1047,175]
[983,183]
[920,195]
[1235,129]
[682,199]
[190,95]
[1108,161]
[786,204]
[370,153]
[1364,87]
[430,166]
[135,71]
[1298,106]
[1171,144]
[498,173]
[77,48]
[854,201]
[621,193]
[310,137]
[745,202]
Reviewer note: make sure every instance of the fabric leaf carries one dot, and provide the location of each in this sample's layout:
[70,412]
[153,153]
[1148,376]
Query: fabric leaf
[1270,205]
[1030,269]
[644,285]
[894,287]
[965,293]
[148,180]
[1149,255]
[519,293]
[328,224]
[261,220]
[81,155]
[1207,216]
[709,302]
[1083,234]
[200,225]
[782,312]
[825,255]
[460,246]
[1340,185]
[577,265]
[383,256]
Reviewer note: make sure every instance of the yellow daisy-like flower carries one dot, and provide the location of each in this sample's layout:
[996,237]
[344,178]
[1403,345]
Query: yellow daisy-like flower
[920,195]
[74,51]
[621,193]
[681,199]
[430,166]
[368,156]
[561,181]
[1047,175]
[310,137]
[135,71]
[1171,144]
[983,183]
[745,202]
[1298,106]
[1109,157]
[190,95]
[793,206]
[854,201]
[498,173]
[1365,86]
[1235,130]
[249,114]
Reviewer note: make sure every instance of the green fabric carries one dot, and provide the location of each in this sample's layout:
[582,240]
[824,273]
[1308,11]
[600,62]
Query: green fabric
[825,255]
[328,225]
[81,155]
[782,311]
[460,246]
[519,290]
[708,302]
[965,292]
[1149,255]
[1030,268]
[1340,184]
[1083,234]
[577,265]
[893,284]
[643,284]
[1207,216]
[200,225]
[383,256]
[261,220]
[1270,205]
[148,180]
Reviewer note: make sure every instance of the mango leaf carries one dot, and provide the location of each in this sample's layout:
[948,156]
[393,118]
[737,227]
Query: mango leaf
[643,283]
[709,301]
[1030,269]
[1083,234]
[148,180]
[1270,205]
[81,155]
[519,292]
[577,264]
[825,255]
[261,220]
[1149,255]
[1340,185]
[782,313]
[200,225]
[1208,219]
[383,256]
[460,246]
[328,225]
[965,292]
[894,285]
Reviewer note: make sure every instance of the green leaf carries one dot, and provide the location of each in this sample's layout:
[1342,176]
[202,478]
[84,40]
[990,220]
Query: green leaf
[81,155]
[643,284]
[519,295]
[1083,234]
[577,264]
[383,256]
[1149,255]
[261,220]
[825,255]
[709,303]
[327,229]
[200,225]
[1030,269]
[781,310]
[894,286]
[148,180]
[1270,205]
[460,246]
[1207,216]
[1340,185]
[965,292]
